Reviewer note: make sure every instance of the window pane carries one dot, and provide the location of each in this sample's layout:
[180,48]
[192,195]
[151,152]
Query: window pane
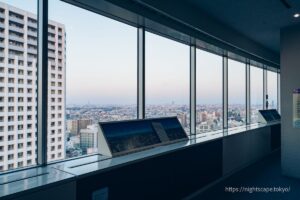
[209,92]
[272,89]
[256,92]
[278,93]
[93,77]
[167,78]
[236,93]
[18,29]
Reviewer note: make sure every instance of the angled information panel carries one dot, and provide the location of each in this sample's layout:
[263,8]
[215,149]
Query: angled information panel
[268,116]
[122,137]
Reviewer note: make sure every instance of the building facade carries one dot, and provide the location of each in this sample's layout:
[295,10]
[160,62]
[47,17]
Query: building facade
[18,88]
[74,126]
[88,139]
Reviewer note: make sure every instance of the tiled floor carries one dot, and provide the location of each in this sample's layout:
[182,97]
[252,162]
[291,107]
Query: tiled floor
[264,175]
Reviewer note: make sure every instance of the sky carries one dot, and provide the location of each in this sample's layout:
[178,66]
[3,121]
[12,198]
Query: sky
[209,78]
[101,63]
[236,82]
[167,71]
[256,82]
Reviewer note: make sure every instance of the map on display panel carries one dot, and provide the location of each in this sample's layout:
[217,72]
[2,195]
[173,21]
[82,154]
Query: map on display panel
[267,116]
[122,137]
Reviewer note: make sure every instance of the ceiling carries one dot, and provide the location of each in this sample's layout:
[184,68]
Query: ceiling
[258,20]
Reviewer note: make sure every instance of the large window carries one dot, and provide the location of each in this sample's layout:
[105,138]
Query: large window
[236,93]
[93,66]
[167,78]
[272,89]
[256,92]
[209,92]
[18,58]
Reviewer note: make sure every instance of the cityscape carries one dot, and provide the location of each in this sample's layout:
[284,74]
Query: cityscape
[81,121]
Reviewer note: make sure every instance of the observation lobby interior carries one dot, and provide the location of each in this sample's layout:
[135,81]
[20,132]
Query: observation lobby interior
[149,99]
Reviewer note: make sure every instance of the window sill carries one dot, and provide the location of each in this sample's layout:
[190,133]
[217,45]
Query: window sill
[28,180]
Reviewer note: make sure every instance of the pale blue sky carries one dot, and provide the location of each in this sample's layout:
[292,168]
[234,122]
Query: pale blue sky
[236,82]
[167,71]
[101,59]
[256,82]
[272,87]
[209,77]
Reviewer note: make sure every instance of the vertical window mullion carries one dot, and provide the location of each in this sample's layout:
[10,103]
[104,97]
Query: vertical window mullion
[278,91]
[193,89]
[141,73]
[265,89]
[42,82]
[248,98]
[225,92]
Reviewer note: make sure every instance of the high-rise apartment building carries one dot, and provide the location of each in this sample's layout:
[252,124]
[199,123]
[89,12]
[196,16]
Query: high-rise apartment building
[18,88]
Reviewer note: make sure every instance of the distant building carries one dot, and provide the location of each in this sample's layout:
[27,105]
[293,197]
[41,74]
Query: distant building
[198,118]
[204,116]
[84,123]
[203,127]
[88,139]
[182,119]
[74,126]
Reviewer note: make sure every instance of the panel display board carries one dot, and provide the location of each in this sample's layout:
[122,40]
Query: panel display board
[117,138]
[267,116]
[172,128]
[296,108]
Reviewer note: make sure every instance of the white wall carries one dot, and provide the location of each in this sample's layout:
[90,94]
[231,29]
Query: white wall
[290,80]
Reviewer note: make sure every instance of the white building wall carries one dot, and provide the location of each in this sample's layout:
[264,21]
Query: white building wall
[18,136]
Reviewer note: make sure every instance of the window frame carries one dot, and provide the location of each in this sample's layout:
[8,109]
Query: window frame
[42,80]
